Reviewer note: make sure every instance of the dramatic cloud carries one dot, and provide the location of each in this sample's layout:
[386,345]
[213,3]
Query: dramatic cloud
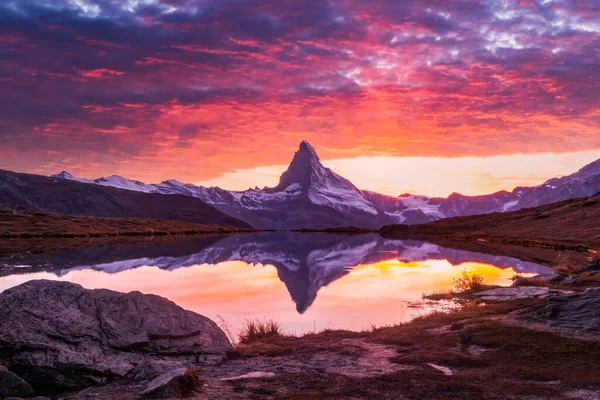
[193,89]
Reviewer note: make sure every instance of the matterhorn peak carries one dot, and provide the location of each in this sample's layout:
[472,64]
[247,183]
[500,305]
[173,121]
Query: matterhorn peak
[307,149]
[303,166]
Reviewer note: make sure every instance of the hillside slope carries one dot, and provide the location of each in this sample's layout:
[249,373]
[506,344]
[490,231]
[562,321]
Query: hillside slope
[60,196]
[575,220]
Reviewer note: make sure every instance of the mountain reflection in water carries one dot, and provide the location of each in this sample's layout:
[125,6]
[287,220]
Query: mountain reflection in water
[361,276]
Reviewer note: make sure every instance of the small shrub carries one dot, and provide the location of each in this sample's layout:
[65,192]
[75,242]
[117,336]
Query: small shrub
[255,329]
[467,282]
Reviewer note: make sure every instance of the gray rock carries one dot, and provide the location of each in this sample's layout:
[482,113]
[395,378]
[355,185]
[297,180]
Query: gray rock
[594,266]
[538,279]
[569,280]
[250,375]
[550,278]
[180,382]
[521,282]
[579,312]
[514,293]
[12,385]
[150,369]
[58,335]
[34,398]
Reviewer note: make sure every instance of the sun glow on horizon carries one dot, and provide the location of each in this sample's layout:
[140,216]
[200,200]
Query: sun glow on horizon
[430,176]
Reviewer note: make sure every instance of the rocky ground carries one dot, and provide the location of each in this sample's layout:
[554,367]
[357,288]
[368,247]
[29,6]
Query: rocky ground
[538,340]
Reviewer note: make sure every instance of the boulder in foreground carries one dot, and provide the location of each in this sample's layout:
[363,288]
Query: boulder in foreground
[59,336]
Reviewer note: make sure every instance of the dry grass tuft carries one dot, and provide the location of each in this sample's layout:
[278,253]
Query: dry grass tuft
[255,329]
[437,295]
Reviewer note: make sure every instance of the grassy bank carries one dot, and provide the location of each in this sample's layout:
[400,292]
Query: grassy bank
[45,225]
[472,353]
[566,225]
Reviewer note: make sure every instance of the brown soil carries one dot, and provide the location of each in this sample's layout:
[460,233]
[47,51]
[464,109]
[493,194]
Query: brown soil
[32,225]
[571,224]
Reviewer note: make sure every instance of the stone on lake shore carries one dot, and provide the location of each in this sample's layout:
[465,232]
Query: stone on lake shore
[578,312]
[514,293]
[178,383]
[60,336]
[12,385]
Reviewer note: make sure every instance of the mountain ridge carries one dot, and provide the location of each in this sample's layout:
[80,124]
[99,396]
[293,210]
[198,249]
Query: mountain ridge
[310,195]
[71,197]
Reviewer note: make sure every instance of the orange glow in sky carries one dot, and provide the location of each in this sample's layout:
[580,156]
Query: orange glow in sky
[431,176]
[224,91]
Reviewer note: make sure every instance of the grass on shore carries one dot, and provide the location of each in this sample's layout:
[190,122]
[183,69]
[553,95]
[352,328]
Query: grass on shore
[47,225]
[466,283]
[255,329]
[488,358]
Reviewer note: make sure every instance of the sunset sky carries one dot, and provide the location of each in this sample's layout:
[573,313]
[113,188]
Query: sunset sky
[424,96]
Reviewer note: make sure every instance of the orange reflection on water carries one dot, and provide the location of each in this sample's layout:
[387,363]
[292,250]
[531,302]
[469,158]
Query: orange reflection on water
[377,293]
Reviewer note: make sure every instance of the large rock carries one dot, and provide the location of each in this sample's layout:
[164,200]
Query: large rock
[514,293]
[578,312]
[594,266]
[58,335]
[12,385]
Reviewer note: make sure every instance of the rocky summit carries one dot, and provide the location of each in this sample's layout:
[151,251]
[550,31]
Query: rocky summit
[60,336]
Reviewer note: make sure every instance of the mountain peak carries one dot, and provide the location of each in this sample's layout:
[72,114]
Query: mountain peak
[592,168]
[306,148]
[63,175]
[304,164]
[172,182]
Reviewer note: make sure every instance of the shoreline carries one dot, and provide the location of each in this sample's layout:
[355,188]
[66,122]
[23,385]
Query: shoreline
[546,344]
[490,351]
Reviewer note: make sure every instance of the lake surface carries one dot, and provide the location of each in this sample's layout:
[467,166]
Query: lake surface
[305,281]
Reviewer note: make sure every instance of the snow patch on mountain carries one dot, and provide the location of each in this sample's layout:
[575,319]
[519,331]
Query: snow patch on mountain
[423,203]
[67,176]
[124,183]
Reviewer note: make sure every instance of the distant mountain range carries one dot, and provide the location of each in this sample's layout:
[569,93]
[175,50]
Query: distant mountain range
[43,194]
[304,263]
[310,195]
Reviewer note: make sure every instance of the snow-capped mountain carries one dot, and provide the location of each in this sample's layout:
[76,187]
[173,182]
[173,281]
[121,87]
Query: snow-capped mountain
[310,195]
[112,181]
